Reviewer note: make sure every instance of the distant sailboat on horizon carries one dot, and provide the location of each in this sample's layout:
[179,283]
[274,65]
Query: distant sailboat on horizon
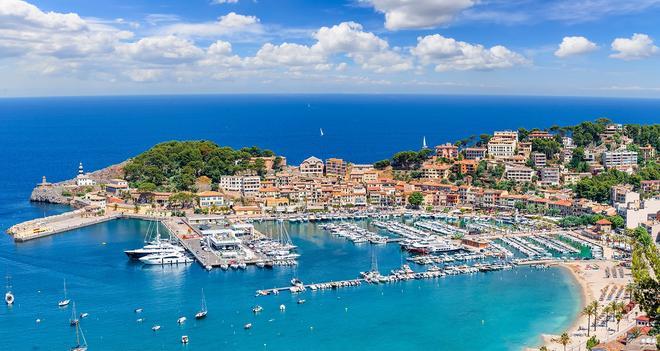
[424,146]
[321,129]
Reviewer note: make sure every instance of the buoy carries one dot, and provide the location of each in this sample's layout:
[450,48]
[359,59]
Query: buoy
[38,320]
[282,307]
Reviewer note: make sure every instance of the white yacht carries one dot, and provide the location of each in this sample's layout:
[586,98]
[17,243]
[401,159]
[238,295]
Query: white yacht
[155,246]
[166,258]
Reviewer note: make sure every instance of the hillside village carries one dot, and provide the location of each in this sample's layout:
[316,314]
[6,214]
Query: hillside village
[578,175]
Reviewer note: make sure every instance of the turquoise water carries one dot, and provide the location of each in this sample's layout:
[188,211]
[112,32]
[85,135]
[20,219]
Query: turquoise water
[495,311]
[50,136]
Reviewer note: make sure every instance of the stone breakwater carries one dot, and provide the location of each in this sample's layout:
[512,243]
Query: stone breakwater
[54,193]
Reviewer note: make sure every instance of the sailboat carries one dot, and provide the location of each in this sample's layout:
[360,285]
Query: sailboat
[66,301]
[9,296]
[204,311]
[424,146]
[79,335]
[73,321]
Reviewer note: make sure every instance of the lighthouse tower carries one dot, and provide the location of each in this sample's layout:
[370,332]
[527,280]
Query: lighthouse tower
[83,179]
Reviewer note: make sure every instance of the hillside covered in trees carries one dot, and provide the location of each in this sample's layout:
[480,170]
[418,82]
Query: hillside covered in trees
[175,165]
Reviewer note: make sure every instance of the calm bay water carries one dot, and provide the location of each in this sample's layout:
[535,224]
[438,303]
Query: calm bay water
[498,311]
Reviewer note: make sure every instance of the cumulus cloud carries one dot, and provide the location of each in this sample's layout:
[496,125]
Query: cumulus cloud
[365,48]
[25,29]
[225,25]
[408,14]
[164,50]
[639,46]
[571,46]
[288,54]
[449,54]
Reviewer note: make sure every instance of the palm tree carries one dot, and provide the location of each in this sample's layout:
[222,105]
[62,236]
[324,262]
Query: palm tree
[594,309]
[618,316]
[563,340]
[587,311]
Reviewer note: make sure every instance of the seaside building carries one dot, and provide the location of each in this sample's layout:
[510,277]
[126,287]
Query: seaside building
[619,158]
[311,167]
[550,176]
[83,179]
[567,142]
[519,173]
[538,134]
[336,167]
[436,171]
[475,153]
[503,144]
[623,194]
[466,166]
[539,159]
[647,152]
[506,135]
[650,186]
[245,185]
[447,151]
[211,198]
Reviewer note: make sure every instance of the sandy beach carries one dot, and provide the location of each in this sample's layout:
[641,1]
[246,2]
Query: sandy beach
[592,279]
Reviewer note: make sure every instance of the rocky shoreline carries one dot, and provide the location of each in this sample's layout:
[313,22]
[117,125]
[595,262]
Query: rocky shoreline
[55,193]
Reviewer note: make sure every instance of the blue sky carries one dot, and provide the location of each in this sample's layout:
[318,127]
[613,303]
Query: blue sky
[530,47]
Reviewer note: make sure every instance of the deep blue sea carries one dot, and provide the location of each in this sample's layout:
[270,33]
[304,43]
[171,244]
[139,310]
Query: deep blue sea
[49,136]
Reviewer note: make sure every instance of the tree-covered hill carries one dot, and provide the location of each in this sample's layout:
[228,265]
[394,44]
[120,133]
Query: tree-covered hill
[175,165]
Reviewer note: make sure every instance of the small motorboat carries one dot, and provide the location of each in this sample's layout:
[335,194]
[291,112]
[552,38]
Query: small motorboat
[301,301]
[155,328]
[247,326]
[282,307]
[257,309]
[137,310]
[140,320]
[84,315]
[181,320]
[184,339]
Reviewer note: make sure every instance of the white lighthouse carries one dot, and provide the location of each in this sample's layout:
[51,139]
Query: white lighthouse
[83,179]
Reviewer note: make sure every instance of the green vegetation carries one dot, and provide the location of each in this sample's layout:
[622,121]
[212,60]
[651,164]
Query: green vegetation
[382,164]
[578,163]
[576,221]
[550,147]
[416,199]
[406,160]
[644,134]
[598,187]
[175,165]
[646,274]
[587,133]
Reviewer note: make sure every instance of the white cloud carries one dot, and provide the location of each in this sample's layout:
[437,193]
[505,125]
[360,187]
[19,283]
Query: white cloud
[408,14]
[288,54]
[145,75]
[225,25]
[162,50]
[639,46]
[449,54]
[365,48]
[571,46]
[25,29]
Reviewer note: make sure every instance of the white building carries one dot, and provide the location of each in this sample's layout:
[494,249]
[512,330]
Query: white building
[211,198]
[83,179]
[498,147]
[312,167]
[539,159]
[550,175]
[619,158]
[246,185]
[519,173]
